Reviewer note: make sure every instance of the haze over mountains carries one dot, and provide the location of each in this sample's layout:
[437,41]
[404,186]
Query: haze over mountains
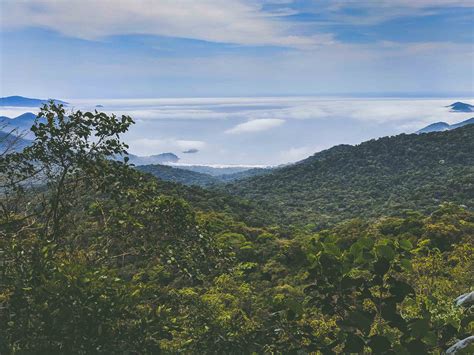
[243,133]
[162,158]
[22,122]
[20,101]
[443,126]
[189,175]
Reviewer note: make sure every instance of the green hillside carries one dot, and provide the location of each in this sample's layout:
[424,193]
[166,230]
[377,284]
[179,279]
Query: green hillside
[382,176]
[185,176]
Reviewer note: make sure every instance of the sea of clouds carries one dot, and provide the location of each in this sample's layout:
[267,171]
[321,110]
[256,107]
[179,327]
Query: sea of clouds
[264,130]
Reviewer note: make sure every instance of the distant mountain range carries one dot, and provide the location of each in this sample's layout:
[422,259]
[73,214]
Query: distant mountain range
[201,175]
[20,101]
[10,139]
[22,122]
[215,170]
[10,142]
[182,175]
[162,158]
[443,126]
[461,107]
[185,177]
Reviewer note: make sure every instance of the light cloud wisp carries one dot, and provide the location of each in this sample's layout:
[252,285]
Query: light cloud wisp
[223,21]
[257,125]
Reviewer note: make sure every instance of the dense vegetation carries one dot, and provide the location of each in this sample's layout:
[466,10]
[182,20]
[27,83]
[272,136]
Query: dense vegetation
[186,177]
[378,177]
[98,257]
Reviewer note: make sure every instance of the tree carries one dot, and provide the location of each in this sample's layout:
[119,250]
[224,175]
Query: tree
[67,149]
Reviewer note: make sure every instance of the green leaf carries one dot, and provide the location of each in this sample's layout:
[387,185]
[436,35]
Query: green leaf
[366,242]
[385,251]
[405,244]
[400,289]
[381,267]
[389,310]
[379,344]
[420,328]
[356,250]
[348,282]
[354,344]
[406,264]
[332,249]
[430,338]
[361,320]
[416,347]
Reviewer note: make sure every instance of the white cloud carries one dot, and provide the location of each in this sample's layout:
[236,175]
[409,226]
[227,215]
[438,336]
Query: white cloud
[186,144]
[13,112]
[258,125]
[274,111]
[377,11]
[410,3]
[227,21]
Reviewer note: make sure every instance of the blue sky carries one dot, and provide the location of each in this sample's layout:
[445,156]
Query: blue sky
[213,48]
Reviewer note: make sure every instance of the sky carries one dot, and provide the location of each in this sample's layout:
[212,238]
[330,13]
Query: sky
[214,48]
[298,75]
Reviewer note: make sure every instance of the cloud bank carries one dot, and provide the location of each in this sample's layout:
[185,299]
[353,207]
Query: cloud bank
[232,134]
[274,111]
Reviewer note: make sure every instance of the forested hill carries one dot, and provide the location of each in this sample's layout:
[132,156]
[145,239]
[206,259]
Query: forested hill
[188,177]
[382,176]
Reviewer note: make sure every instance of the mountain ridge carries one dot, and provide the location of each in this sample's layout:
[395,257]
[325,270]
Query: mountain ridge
[461,107]
[160,158]
[21,101]
[443,126]
[195,178]
[369,179]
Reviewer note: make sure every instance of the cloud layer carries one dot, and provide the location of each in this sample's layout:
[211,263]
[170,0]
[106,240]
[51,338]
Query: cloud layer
[265,130]
[274,111]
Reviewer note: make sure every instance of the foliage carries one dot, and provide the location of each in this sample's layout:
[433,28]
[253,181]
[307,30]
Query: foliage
[132,264]
[378,177]
[182,176]
[187,176]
